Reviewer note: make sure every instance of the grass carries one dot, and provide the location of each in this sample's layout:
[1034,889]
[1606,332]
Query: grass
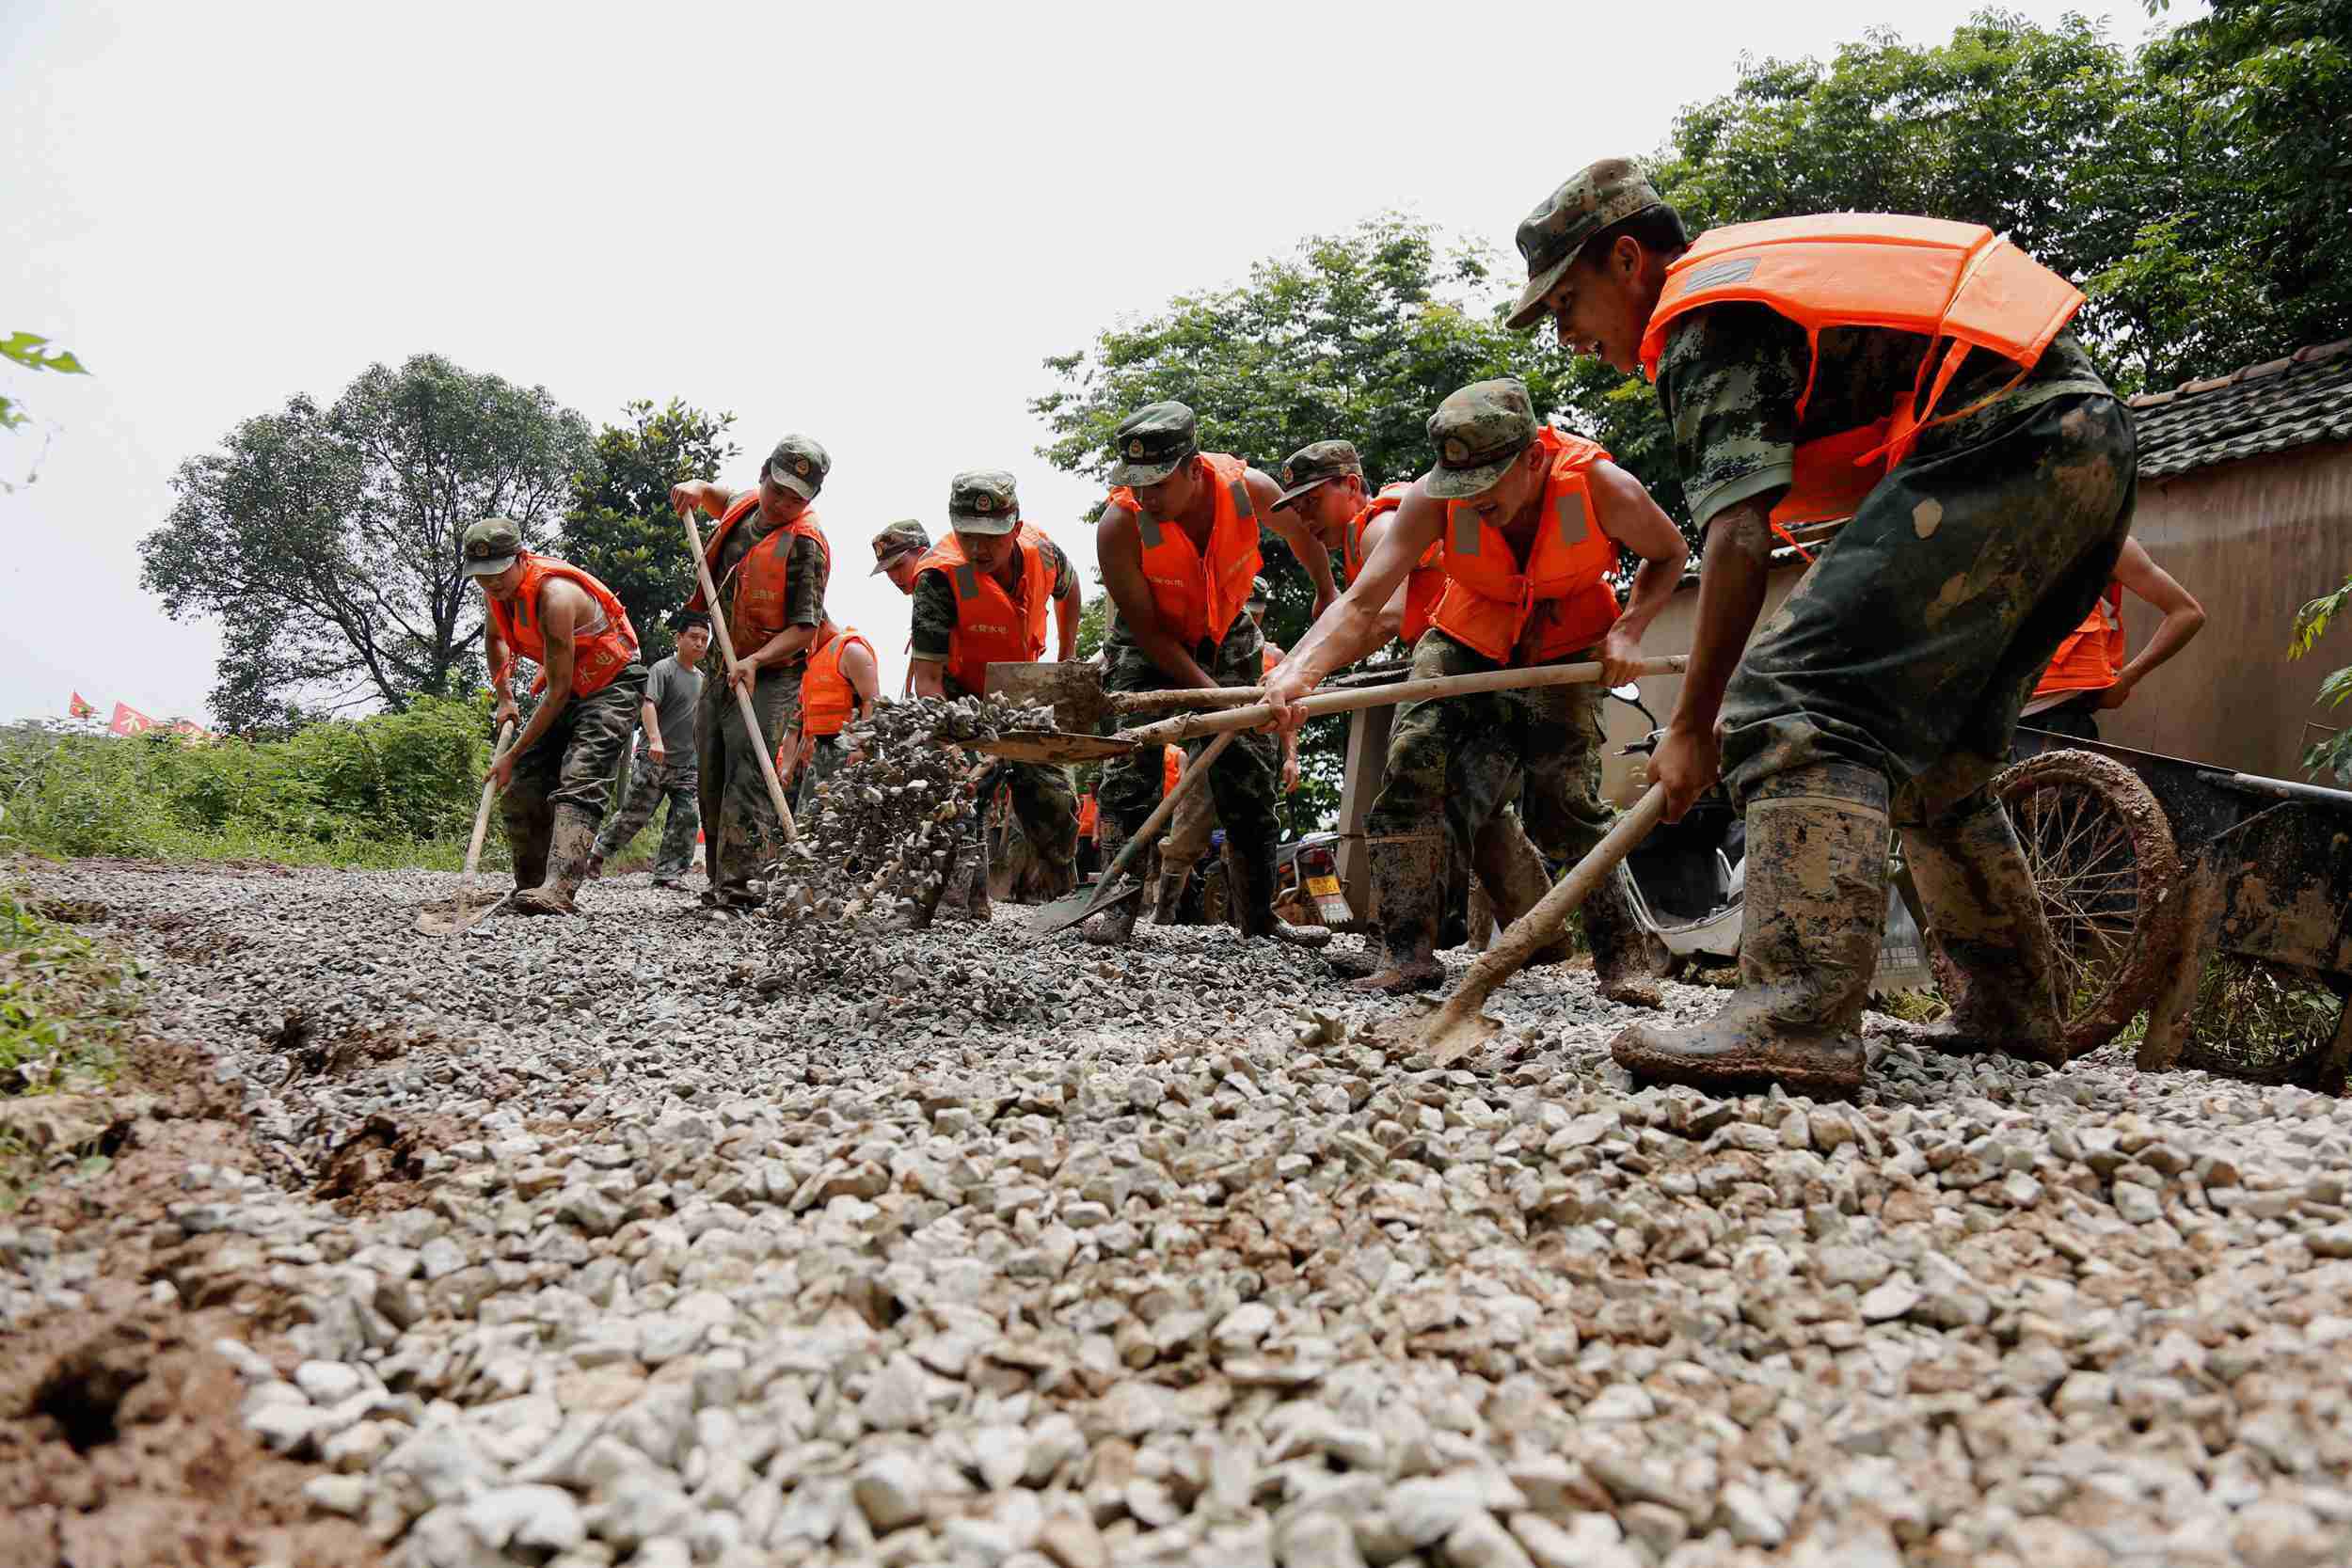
[66,1008]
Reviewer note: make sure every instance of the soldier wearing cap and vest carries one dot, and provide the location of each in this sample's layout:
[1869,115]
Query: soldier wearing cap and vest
[1325,483]
[981,598]
[2090,672]
[840,687]
[1531,521]
[898,551]
[1919,375]
[559,770]
[770,562]
[1177,543]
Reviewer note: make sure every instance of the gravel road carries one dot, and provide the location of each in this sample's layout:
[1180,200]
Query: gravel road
[658,1238]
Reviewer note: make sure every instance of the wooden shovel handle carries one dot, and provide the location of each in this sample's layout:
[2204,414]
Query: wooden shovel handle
[742,698]
[1187,726]
[1185,696]
[482,820]
[1188,780]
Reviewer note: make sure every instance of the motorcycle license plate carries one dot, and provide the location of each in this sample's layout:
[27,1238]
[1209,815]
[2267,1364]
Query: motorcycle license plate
[1323,887]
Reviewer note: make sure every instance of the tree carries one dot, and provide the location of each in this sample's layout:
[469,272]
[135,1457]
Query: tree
[327,541]
[1355,336]
[619,524]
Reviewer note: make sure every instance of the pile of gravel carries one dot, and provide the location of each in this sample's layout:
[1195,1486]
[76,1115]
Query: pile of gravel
[950,1249]
[875,853]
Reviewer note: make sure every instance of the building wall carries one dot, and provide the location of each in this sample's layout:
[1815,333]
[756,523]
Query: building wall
[2255,541]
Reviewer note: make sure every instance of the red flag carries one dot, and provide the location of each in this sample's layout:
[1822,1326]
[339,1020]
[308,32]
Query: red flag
[129,720]
[79,707]
[190,730]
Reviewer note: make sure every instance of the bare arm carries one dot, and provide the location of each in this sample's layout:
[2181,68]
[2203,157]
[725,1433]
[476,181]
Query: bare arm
[702,496]
[1628,517]
[1066,609]
[2184,617]
[864,675]
[652,720]
[502,664]
[790,640]
[561,608]
[929,677]
[1342,634]
[1731,593]
[1119,550]
[1293,530]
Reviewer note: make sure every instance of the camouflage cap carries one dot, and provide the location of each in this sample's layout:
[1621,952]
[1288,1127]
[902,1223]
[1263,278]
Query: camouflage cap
[491,545]
[1261,596]
[1477,431]
[1549,237]
[1152,441]
[1315,462]
[800,464]
[897,540]
[983,500]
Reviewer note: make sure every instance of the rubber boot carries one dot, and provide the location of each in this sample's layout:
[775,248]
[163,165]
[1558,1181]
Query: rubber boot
[1409,879]
[1511,871]
[1168,905]
[1816,902]
[1627,958]
[1112,927]
[1985,915]
[571,847]
[527,839]
[1254,904]
[595,868]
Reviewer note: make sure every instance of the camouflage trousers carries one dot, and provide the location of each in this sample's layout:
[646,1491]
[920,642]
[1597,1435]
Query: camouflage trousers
[740,833]
[650,782]
[824,760]
[571,765]
[1461,761]
[1044,802]
[1242,783]
[1912,644]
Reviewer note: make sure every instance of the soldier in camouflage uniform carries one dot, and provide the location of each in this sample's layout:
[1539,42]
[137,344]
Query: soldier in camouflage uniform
[740,830]
[1502,483]
[991,541]
[1178,547]
[1889,684]
[664,765]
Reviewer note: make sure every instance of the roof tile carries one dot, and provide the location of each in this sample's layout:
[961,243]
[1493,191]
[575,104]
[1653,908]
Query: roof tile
[2301,400]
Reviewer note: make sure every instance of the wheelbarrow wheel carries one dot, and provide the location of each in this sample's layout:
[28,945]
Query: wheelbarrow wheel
[2102,854]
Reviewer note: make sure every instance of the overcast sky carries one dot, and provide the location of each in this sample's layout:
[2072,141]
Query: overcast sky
[869,222]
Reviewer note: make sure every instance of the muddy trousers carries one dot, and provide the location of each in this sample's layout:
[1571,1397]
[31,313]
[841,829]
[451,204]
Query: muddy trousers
[741,831]
[568,767]
[651,783]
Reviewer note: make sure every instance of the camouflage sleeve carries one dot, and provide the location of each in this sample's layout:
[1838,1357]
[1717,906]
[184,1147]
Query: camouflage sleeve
[1729,381]
[806,571]
[934,615]
[1058,565]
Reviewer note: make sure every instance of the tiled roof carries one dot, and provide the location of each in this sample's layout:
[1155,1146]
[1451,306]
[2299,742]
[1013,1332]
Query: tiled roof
[2297,401]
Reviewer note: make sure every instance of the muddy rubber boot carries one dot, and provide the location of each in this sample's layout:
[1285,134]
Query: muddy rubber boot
[1627,958]
[1985,916]
[1511,871]
[1255,904]
[594,870]
[1170,899]
[571,846]
[1112,927]
[1410,879]
[527,840]
[1816,902]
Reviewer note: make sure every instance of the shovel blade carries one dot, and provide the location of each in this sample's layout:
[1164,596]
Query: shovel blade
[1071,908]
[1073,689]
[1452,1033]
[1051,746]
[457,917]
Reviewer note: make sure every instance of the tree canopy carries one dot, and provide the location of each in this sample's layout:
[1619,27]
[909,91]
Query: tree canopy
[326,541]
[619,525]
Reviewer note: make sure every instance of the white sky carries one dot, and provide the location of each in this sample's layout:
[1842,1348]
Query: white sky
[867,221]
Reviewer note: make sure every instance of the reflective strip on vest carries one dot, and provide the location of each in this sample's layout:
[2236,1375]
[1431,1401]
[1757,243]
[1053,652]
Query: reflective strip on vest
[989,627]
[1197,594]
[599,653]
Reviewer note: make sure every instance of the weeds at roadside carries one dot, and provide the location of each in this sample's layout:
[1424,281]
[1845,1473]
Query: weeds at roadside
[66,1008]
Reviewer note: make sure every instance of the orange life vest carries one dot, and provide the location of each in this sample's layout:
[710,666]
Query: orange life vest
[1198,597]
[1171,769]
[989,627]
[2091,658]
[1089,814]
[756,612]
[827,698]
[1427,583]
[1938,279]
[600,651]
[1491,597]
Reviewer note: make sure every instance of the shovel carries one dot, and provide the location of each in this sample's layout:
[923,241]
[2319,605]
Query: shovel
[1068,910]
[436,925]
[742,697]
[1460,1026]
[1073,689]
[1061,746]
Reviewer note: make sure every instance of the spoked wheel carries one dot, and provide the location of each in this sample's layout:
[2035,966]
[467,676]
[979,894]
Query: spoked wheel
[2102,854]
